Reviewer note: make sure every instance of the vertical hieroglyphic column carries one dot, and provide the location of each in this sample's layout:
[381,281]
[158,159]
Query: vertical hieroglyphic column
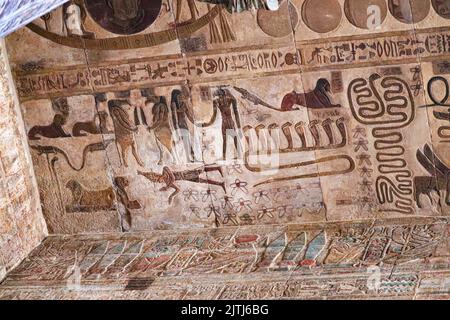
[22,226]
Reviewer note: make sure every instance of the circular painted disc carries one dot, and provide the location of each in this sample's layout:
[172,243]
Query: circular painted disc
[124,16]
[357,13]
[442,8]
[279,23]
[322,16]
[409,11]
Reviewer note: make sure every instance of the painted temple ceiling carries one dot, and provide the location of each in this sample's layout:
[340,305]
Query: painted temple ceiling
[265,138]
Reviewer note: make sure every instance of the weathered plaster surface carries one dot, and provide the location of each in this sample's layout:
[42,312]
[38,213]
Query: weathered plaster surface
[22,226]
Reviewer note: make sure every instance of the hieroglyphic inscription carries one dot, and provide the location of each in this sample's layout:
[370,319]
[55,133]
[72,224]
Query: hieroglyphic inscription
[243,62]
[373,50]
[156,72]
[438,103]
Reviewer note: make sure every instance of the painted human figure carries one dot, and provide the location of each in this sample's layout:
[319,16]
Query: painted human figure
[161,126]
[124,131]
[180,116]
[74,18]
[227,105]
[121,184]
[125,9]
[402,9]
[140,101]
[442,7]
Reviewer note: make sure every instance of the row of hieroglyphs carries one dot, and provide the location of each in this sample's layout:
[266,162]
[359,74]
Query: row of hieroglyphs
[158,72]
[245,62]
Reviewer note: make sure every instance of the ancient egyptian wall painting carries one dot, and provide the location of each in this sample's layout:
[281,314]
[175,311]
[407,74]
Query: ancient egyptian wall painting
[145,115]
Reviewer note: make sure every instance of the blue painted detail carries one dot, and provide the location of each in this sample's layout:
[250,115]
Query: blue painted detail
[316,246]
[15,14]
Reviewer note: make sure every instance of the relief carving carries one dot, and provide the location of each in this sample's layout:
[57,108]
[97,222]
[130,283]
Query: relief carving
[84,199]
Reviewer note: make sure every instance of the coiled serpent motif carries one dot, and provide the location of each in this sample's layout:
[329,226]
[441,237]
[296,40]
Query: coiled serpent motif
[388,114]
